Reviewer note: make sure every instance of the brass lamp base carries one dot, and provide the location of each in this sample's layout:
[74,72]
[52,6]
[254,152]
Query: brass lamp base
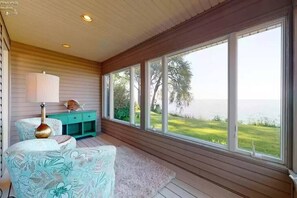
[43,131]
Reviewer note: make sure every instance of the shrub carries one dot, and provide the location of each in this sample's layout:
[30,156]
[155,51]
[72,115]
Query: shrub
[264,121]
[122,113]
[217,118]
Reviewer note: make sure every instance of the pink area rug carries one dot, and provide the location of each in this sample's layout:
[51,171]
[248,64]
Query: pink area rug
[138,176]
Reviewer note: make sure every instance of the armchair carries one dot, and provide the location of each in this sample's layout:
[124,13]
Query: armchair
[26,127]
[82,172]
[26,130]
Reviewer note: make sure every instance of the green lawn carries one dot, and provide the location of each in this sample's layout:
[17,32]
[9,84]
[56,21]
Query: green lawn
[266,139]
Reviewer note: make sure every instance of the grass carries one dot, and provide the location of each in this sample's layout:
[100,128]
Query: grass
[266,138]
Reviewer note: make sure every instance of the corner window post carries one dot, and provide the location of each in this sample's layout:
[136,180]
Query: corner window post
[165,95]
[132,76]
[111,101]
[147,95]
[232,92]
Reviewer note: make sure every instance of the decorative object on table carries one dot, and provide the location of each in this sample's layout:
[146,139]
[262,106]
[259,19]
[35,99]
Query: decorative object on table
[83,172]
[42,87]
[73,105]
[77,123]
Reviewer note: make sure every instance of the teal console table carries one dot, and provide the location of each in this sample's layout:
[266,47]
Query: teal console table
[77,123]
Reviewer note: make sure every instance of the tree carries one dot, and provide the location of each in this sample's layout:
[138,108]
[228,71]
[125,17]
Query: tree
[179,81]
[121,96]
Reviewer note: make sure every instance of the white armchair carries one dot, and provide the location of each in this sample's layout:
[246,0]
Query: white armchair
[26,127]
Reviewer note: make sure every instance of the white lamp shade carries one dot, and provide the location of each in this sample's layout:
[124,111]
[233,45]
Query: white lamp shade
[42,87]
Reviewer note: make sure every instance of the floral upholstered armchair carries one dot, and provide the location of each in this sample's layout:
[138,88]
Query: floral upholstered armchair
[26,127]
[82,172]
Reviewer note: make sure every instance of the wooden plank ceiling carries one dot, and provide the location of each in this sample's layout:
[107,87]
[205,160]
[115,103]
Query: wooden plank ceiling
[117,24]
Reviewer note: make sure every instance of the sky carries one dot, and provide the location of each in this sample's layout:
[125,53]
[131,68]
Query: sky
[259,68]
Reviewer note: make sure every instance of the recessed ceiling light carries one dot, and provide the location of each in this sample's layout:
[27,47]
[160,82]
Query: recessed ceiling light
[86,18]
[66,45]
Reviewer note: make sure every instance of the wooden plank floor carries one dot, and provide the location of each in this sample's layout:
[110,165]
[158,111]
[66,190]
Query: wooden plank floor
[185,185]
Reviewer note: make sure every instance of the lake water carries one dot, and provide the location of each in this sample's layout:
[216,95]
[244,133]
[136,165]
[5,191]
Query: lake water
[248,110]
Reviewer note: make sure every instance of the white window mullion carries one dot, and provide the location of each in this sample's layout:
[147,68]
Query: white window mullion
[111,101]
[285,83]
[232,92]
[164,95]
[147,95]
[104,102]
[132,74]
[105,94]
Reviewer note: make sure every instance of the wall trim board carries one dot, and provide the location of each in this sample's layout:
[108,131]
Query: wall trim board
[5,91]
[294,165]
[218,21]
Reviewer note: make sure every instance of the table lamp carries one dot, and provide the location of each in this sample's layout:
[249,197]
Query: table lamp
[42,87]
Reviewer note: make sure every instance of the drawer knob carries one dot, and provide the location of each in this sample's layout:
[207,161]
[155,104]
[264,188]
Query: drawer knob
[74,117]
[89,116]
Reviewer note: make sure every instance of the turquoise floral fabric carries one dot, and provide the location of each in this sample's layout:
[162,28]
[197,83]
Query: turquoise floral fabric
[82,172]
[35,145]
[26,127]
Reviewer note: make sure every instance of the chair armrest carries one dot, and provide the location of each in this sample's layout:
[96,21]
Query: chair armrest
[82,172]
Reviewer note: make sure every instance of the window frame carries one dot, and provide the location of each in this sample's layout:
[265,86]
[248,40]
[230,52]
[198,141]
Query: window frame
[232,131]
[104,96]
[164,59]
[232,106]
[111,96]
[284,91]
[147,95]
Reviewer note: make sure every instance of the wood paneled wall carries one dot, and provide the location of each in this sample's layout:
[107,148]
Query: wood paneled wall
[236,173]
[243,175]
[79,79]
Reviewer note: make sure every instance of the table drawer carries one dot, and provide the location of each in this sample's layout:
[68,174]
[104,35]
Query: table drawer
[90,116]
[75,118]
[63,119]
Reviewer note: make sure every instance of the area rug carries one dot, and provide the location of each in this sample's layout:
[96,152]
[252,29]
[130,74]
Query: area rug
[137,176]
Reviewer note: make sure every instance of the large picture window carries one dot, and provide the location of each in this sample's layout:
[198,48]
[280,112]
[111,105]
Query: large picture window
[122,95]
[136,95]
[226,93]
[259,90]
[198,93]
[193,102]
[155,76]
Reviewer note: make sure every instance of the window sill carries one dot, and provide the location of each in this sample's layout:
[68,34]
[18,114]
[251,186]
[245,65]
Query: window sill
[123,122]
